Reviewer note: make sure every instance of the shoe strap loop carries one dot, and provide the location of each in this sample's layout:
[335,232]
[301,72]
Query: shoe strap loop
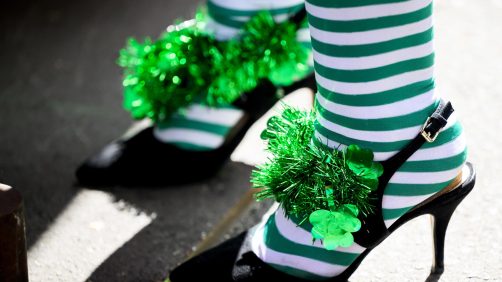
[438,120]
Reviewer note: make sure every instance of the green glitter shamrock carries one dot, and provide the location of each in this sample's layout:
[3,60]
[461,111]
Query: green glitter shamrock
[335,228]
[360,161]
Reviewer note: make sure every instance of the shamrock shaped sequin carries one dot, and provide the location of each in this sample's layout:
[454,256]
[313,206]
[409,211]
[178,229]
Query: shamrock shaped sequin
[360,161]
[335,228]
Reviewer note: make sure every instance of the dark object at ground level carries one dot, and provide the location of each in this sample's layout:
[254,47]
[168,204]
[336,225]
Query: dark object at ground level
[13,263]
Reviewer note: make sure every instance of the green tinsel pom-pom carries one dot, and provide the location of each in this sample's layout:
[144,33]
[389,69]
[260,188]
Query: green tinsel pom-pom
[304,177]
[186,65]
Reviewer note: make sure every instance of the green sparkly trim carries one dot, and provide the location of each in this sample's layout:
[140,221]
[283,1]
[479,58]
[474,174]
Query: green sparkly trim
[187,64]
[328,187]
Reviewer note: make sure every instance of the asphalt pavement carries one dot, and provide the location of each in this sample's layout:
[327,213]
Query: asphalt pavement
[60,101]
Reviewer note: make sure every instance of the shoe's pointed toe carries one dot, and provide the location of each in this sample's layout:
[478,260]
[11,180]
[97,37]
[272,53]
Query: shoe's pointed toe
[89,174]
[100,169]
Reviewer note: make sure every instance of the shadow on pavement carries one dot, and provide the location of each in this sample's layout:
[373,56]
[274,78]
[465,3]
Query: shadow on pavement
[61,90]
[61,101]
[183,216]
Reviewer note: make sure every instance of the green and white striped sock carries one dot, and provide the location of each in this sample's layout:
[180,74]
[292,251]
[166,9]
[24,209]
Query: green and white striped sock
[229,16]
[200,127]
[374,62]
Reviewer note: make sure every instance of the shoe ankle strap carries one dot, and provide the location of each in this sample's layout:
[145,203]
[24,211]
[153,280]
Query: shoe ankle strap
[430,130]
[373,227]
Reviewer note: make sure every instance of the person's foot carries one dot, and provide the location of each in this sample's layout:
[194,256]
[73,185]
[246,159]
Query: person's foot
[191,141]
[289,245]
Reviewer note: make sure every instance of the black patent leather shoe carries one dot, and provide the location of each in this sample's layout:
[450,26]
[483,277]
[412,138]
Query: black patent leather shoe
[141,159]
[215,265]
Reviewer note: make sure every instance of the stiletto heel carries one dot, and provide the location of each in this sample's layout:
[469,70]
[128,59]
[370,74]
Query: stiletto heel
[441,213]
[440,220]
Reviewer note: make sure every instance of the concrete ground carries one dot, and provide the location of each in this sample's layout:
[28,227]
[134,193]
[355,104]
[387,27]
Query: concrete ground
[60,101]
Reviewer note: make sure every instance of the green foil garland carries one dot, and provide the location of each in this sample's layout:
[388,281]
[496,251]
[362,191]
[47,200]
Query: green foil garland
[328,187]
[187,64]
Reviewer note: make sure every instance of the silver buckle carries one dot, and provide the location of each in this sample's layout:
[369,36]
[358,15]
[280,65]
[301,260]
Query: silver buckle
[427,135]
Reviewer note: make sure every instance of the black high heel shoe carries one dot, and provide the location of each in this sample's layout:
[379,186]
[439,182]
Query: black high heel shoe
[143,160]
[235,261]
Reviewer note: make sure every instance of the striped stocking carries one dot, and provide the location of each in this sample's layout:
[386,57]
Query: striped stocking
[200,127]
[374,62]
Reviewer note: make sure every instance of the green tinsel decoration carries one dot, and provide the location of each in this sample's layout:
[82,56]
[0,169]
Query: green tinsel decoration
[299,173]
[186,64]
